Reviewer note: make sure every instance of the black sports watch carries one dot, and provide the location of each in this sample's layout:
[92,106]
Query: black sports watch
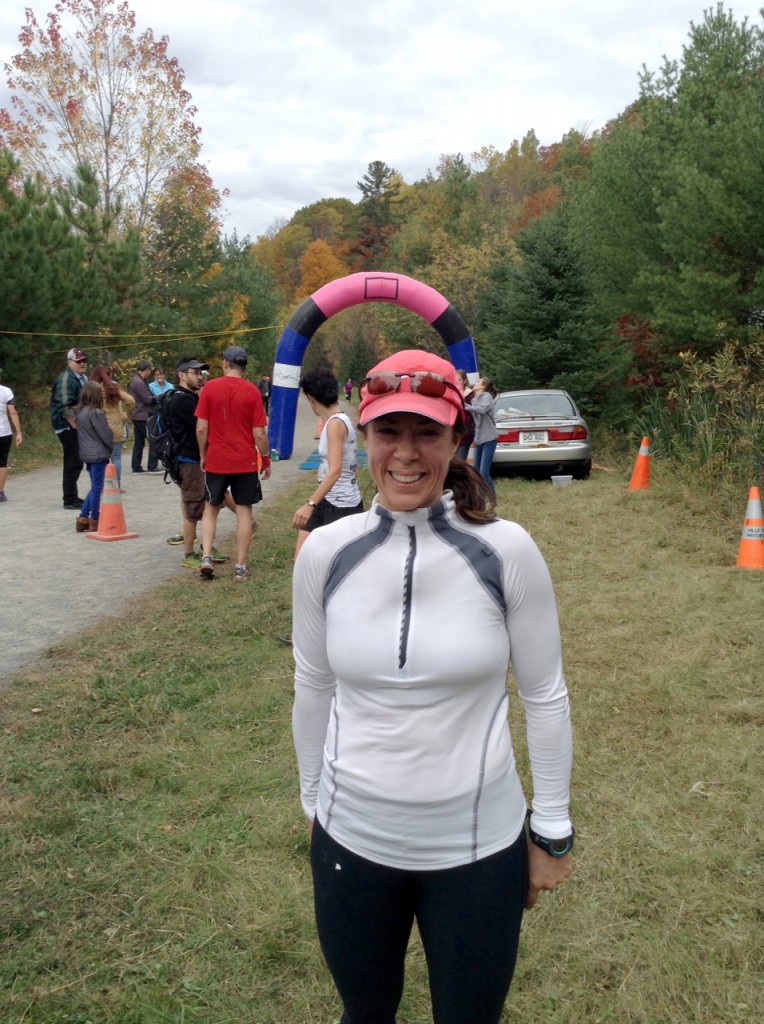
[554,847]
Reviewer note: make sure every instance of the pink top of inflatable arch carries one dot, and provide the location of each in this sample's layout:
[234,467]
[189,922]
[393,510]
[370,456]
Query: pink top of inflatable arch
[378,286]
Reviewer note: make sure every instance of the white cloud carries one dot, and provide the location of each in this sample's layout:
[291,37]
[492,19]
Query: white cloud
[296,97]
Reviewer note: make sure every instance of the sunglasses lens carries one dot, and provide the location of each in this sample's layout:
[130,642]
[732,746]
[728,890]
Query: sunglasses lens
[382,384]
[429,385]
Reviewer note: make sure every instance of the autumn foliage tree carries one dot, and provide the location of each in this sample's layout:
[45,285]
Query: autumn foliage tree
[318,267]
[184,230]
[87,90]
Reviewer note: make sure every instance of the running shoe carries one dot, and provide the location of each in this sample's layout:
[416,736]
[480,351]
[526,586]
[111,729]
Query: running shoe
[177,538]
[217,556]
[192,561]
[241,573]
[206,568]
[2,496]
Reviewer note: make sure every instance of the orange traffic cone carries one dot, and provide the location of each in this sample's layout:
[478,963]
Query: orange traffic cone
[111,521]
[319,428]
[640,478]
[751,551]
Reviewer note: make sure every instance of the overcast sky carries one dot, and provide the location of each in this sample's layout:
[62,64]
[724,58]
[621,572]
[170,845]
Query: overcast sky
[296,97]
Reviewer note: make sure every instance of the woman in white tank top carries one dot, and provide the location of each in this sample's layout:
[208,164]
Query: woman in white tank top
[336,494]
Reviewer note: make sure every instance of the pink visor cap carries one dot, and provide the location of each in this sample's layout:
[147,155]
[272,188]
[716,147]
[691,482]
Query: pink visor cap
[412,381]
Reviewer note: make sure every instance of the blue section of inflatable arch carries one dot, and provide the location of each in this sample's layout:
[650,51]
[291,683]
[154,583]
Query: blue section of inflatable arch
[463,355]
[292,345]
[286,391]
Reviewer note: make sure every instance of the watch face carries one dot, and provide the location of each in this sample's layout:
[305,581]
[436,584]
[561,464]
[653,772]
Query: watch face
[559,847]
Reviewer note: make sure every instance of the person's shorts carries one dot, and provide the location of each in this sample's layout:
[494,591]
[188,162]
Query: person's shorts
[245,488]
[5,447]
[192,494]
[325,512]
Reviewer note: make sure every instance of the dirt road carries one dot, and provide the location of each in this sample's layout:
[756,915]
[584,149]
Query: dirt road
[54,582]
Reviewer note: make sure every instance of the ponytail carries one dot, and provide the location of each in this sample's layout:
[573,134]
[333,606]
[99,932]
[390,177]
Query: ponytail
[474,499]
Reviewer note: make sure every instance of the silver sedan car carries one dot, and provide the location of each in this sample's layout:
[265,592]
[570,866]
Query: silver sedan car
[541,432]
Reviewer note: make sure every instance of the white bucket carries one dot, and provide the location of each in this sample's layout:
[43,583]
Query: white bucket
[561,481]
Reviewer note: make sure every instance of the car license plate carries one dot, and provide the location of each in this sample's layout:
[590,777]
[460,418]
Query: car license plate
[533,437]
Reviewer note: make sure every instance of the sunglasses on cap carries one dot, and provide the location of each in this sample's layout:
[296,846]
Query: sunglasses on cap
[421,382]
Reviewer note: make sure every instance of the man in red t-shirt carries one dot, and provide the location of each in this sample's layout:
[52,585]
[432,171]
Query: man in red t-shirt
[230,429]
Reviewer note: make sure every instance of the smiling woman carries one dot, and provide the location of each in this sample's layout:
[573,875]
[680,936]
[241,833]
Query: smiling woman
[409,456]
[407,776]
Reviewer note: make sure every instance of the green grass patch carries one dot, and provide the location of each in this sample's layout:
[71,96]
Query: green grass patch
[154,862]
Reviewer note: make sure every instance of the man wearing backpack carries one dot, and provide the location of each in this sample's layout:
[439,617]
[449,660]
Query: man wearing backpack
[181,424]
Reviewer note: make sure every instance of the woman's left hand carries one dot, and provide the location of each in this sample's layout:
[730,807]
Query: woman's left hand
[545,872]
[301,516]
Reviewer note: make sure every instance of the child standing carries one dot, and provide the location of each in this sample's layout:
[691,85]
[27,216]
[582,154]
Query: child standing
[95,439]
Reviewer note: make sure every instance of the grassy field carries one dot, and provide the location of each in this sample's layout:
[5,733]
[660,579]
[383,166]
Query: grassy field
[154,860]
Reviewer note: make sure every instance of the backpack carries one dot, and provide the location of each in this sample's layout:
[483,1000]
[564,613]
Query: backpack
[162,444]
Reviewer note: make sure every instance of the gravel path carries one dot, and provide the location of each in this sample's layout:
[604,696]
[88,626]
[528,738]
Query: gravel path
[54,582]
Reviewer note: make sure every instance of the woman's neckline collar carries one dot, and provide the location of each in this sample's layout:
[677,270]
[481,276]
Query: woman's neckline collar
[441,507]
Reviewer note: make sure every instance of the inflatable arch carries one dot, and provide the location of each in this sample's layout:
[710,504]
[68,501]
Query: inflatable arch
[339,295]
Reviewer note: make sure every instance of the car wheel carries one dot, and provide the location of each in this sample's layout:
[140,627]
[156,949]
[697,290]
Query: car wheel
[582,473]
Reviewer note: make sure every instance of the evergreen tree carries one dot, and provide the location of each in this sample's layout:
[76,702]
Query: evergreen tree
[61,274]
[674,218]
[380,188]
[537,326]
[243,284]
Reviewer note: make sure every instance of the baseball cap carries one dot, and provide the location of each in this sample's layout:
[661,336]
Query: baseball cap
[412,381]
[235,354]
[190,364]
[143,364]
[77,355]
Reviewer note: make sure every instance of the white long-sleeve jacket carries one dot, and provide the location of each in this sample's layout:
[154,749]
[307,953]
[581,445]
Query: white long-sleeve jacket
[403,627]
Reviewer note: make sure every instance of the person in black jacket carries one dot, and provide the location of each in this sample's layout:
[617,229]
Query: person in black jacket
[64,396]
[182,426]
[144,400]
[264,387]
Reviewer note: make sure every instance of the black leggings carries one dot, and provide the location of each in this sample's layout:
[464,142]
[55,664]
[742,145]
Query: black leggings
[468,918]
[5,447]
